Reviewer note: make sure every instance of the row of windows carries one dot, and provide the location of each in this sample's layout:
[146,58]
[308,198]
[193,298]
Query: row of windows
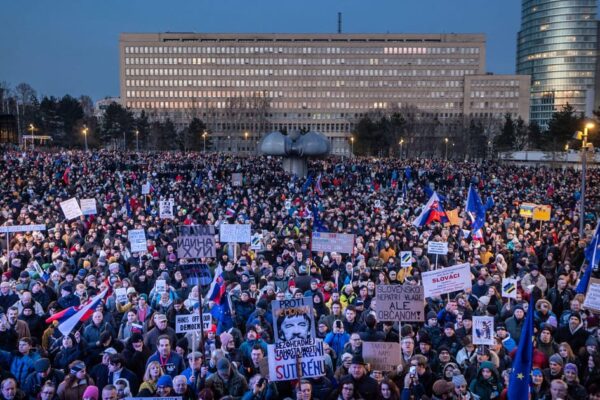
[505,105]
[494,82]
[297,61]
[495,94]
[296,72]
[242,49]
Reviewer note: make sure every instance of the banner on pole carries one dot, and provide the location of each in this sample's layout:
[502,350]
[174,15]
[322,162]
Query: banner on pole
[400,303]
[509,288]
[447,280]
[483,330]
[293,320]
[329,242]
[22,228]
[88,206]
[288,361]
[405,259]
[137,240]
[165,209]
[382,356]
[234,233]
[188,323]
[440,248]
[71,208]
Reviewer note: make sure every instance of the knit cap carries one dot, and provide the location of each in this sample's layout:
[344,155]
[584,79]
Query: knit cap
[556,358]
[458,379]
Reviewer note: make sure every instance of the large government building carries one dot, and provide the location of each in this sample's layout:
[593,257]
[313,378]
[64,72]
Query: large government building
[244,85]
[557,45]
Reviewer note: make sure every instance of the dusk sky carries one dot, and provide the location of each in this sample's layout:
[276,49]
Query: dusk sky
[71,47]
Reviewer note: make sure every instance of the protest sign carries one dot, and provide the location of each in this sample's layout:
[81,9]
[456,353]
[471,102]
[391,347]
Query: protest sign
[405,259]
[146,188]
[377,203]
[440,248]
[483,330]
[234,233]
[161,286]
[256,241]
[197,246]
[288,204]
[526,210]
[542,213]
[195,273]
[22,228]
[165,209]
[206,321]
[290,362]
[188,323]
[121,295]
[293,319]
[509,288]
[328,242]
[592,296]
[382,356]
[137,240]
[447,280]
[71,208]
[400,303]
[88,206]
[237,179]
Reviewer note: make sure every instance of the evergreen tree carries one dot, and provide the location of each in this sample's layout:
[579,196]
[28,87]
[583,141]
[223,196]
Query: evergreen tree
[506,139]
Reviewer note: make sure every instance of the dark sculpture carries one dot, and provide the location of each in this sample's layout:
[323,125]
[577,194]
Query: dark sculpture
[295,148]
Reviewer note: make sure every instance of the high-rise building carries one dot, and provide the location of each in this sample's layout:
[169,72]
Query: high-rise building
[244,85]
[557,46]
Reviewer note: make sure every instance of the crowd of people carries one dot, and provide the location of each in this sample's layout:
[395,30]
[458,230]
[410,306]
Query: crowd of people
[129,347]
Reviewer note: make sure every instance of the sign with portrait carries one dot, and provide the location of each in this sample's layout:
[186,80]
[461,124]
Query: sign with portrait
[294,320]
[483,330]
[290,362]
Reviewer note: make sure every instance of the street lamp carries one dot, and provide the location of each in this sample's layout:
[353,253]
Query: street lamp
[401,143]
[230,146]
[85,131]
[352,144]
[246,140]
[446,141]
[204,134]
[137,141]
[584,145]
[32,129]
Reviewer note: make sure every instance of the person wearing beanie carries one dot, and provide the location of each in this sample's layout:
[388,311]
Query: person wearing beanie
[555,368]
[449,338]
[76,382]
[433,329]
[514,324]
[43,372]
[488,383]
[573,333]
[164,386]
[461,386]
[545,341]
[227,381]
[91,393]
[575,390]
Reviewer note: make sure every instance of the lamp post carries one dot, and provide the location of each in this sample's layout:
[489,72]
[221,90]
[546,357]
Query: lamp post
[401,143]
[204,134]
[246,140]
[446,141]
[584,146]
[85,131]
[32,129]
[352,145]
[137,141]
[230,146]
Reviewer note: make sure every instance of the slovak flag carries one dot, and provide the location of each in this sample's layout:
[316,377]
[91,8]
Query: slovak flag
[319,186]
[66,174]
[217,287]
[69,317]
[431,212]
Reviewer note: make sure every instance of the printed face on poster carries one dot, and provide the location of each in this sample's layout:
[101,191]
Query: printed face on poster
[294,320]
[165,208]
[483,330]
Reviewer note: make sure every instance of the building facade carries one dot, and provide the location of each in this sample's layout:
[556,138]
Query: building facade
[244,85]
[557,47]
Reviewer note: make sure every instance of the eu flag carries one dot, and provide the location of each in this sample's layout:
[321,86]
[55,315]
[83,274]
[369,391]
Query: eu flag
[592,259]
[476,209]
[520,377]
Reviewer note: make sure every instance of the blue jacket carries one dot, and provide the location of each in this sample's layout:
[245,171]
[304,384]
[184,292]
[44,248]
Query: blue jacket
[172,366]
[20,365]
[337,341]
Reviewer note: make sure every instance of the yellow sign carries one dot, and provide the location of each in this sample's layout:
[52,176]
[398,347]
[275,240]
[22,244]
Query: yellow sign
[526,210]
[542,213]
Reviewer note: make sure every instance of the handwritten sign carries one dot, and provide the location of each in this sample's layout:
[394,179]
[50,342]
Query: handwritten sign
[592,296]
[290,362]
[440,248]
[382,356]
[88,206]
[137,240]
[400,303]
[235,233]
[328,242]
[188,323]
[71,208]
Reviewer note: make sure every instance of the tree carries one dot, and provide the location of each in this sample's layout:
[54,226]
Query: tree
[116,121]
[506,139]
[142,126]
[70,111]
[561,127]
[521,135]
[193,135]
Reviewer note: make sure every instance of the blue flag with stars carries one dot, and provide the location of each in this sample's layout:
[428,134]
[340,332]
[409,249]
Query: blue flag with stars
[592,256]
[520,377]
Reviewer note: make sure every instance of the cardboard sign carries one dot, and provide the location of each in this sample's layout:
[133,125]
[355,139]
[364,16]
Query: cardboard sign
[509,288]
[483,330]
[161,286]
[440,248]
[165,209]
[289,362]
[377,203]
[22,228]
[294,320]
[592,296]
[400,303]
[256,241]
[237,179]
[447,280]
[206,321]
[234,233]
[382,356]
[121,295]
[88,206]
[137,240]
[288,204]
[542,213]
[526,210]
[196,246]
[188,323]
[405,259]
[71,208]
[146,188]
[328,242]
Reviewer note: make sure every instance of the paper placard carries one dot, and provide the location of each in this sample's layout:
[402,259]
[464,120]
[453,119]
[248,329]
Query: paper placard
[483,330]
[146,188]
[293,319]
[71,208]
[188,323]
[405,259]
[161,286]
[288,204]
[165,209]
[542,213]
[285,360]
[509,288]
[206,321]
[256,241]
[400,303]
[382,356]
[121,295]
[526,210]
[88,206]
[447,280]
[197,246]
[440,248]
[592,296]
[137,240]
[22,228]
[235,233]
[237,179]
[329,242]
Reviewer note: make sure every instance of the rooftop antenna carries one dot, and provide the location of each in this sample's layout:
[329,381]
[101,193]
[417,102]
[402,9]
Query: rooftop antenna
[339,22]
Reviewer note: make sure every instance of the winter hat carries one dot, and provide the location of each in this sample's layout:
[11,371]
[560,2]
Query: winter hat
[576,315]
[41,365]
[556,358]
[441,387]
[591,341]
[223,364]
[458,379]
[91,392]
[431,315]
[226,338]
[571,367]
[165,380]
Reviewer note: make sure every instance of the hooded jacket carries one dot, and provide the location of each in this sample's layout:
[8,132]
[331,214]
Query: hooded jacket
[487,389]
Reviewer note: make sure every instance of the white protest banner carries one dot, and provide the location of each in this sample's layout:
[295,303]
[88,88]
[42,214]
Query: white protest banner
[146,188]
[288,204]
[197,241]
[188,323]
[71,208]
[405,259]
[88,206]
[137,240]
[440,248]
[235,233]
[483,330]
[592,296]
[22,228]
[161,286]
[377,203]
[165,209]
[121,295]
[206,321]
[400,303]
[509,288]
[256,241]
[237,179]
[447,280]
[289,362]
[328,242]
[382,356]
[293,319]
